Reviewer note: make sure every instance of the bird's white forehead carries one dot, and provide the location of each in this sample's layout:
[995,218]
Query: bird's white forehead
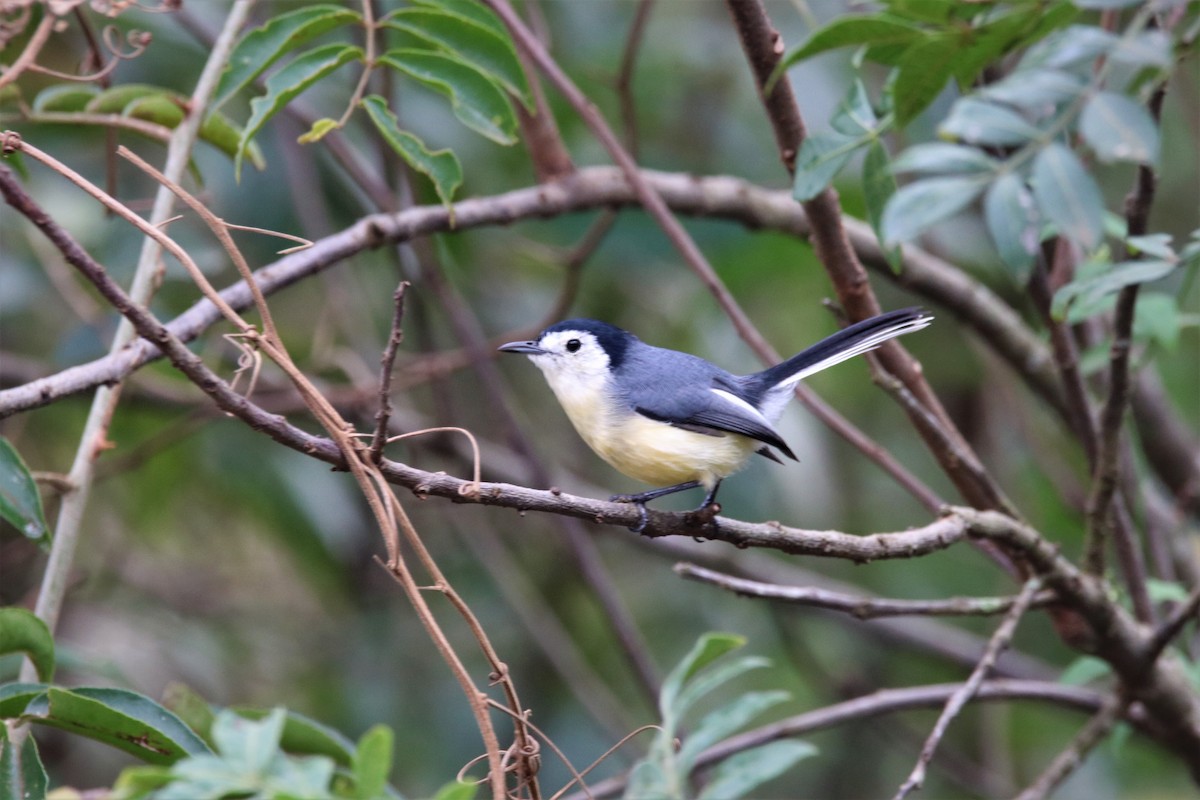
[586,365]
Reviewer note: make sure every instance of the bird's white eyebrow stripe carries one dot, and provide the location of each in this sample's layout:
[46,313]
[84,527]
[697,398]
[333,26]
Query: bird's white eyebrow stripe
[742,404]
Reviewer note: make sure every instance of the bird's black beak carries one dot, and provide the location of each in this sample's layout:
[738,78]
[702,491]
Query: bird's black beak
[529,348]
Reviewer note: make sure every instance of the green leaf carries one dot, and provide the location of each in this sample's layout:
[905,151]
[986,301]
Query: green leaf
[742,773]
[22,776]
[1068,196]
[821,157]
[65,98]
[878,187]
[187,704]
[1013,222]
[249,745]
[1157,245]
[1156,319]
[476,101]
[1084,670]
[943,158]
[303,735]
[854,115]
[1088,290]
[708,679]
[1161,591]
[1074,45]
[263,46]
[1118,129]
[441,166]
[160,109]
[471,9]
[471,41]
[1145,49]
[1035,89]
[21,631]
[458,790]
[220,131]
[319,130]
[20,502]
[984,123]
[14,697]
[373,762]
[922,72]
[287,83]
[854,29]
[139,782]
[708,648]
[726,721]
[919,205]
[123,719]
[114,100]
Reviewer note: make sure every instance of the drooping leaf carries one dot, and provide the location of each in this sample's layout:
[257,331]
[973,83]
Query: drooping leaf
[1035,89]
[476,101]
[980,122]
[263,46]
[441,166]
[319,130]
[65,98]
[821,157]
[741,774]
[21,631]
[187,704]
[249,744]
[20,501]
[1145,49]
[926,202]
[288,82]
[1157,245]
[473,42]
[1086,291]
[1073,45]
[878,187]
[473,10]
[1012,220]
[1068,196]
[943,158]
[726,721]
[1118,129]
[123,719]
[221,132]
[373,762]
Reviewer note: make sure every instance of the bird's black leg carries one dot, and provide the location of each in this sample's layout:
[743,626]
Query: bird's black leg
[711,497]
[642,498]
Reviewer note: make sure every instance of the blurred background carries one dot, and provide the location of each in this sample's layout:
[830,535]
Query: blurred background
[213,557]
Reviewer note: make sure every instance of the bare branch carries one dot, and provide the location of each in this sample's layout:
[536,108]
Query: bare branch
[387,362]
[856,605]
[963,695]
[1071,758]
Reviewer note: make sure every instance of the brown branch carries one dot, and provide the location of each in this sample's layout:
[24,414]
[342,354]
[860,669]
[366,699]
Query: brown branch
[1071,758]
[1172,626]
[387,362]
[963,695]
[857,605]
[1173,454]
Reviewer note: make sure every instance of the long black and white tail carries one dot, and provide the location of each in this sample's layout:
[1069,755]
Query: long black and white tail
[855,340]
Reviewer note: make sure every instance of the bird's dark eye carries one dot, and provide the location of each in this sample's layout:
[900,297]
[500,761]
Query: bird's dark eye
[574,345]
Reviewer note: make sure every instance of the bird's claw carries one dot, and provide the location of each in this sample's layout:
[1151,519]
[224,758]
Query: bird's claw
[643,514]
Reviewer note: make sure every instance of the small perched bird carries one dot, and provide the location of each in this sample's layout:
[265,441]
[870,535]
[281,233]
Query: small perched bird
[675,420]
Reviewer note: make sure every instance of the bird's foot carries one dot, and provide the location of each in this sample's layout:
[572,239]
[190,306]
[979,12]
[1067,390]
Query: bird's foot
[703,517]
[640,502]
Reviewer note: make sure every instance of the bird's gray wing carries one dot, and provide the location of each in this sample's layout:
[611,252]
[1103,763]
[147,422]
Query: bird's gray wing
[689,392]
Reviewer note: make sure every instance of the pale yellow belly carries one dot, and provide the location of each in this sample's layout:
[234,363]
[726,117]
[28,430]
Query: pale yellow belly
[662,455]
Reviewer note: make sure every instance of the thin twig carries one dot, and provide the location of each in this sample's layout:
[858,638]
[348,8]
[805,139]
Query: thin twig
[963,695]
[1072,757]
[1171,627]
[624,81]
[387,362]
[856,605]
